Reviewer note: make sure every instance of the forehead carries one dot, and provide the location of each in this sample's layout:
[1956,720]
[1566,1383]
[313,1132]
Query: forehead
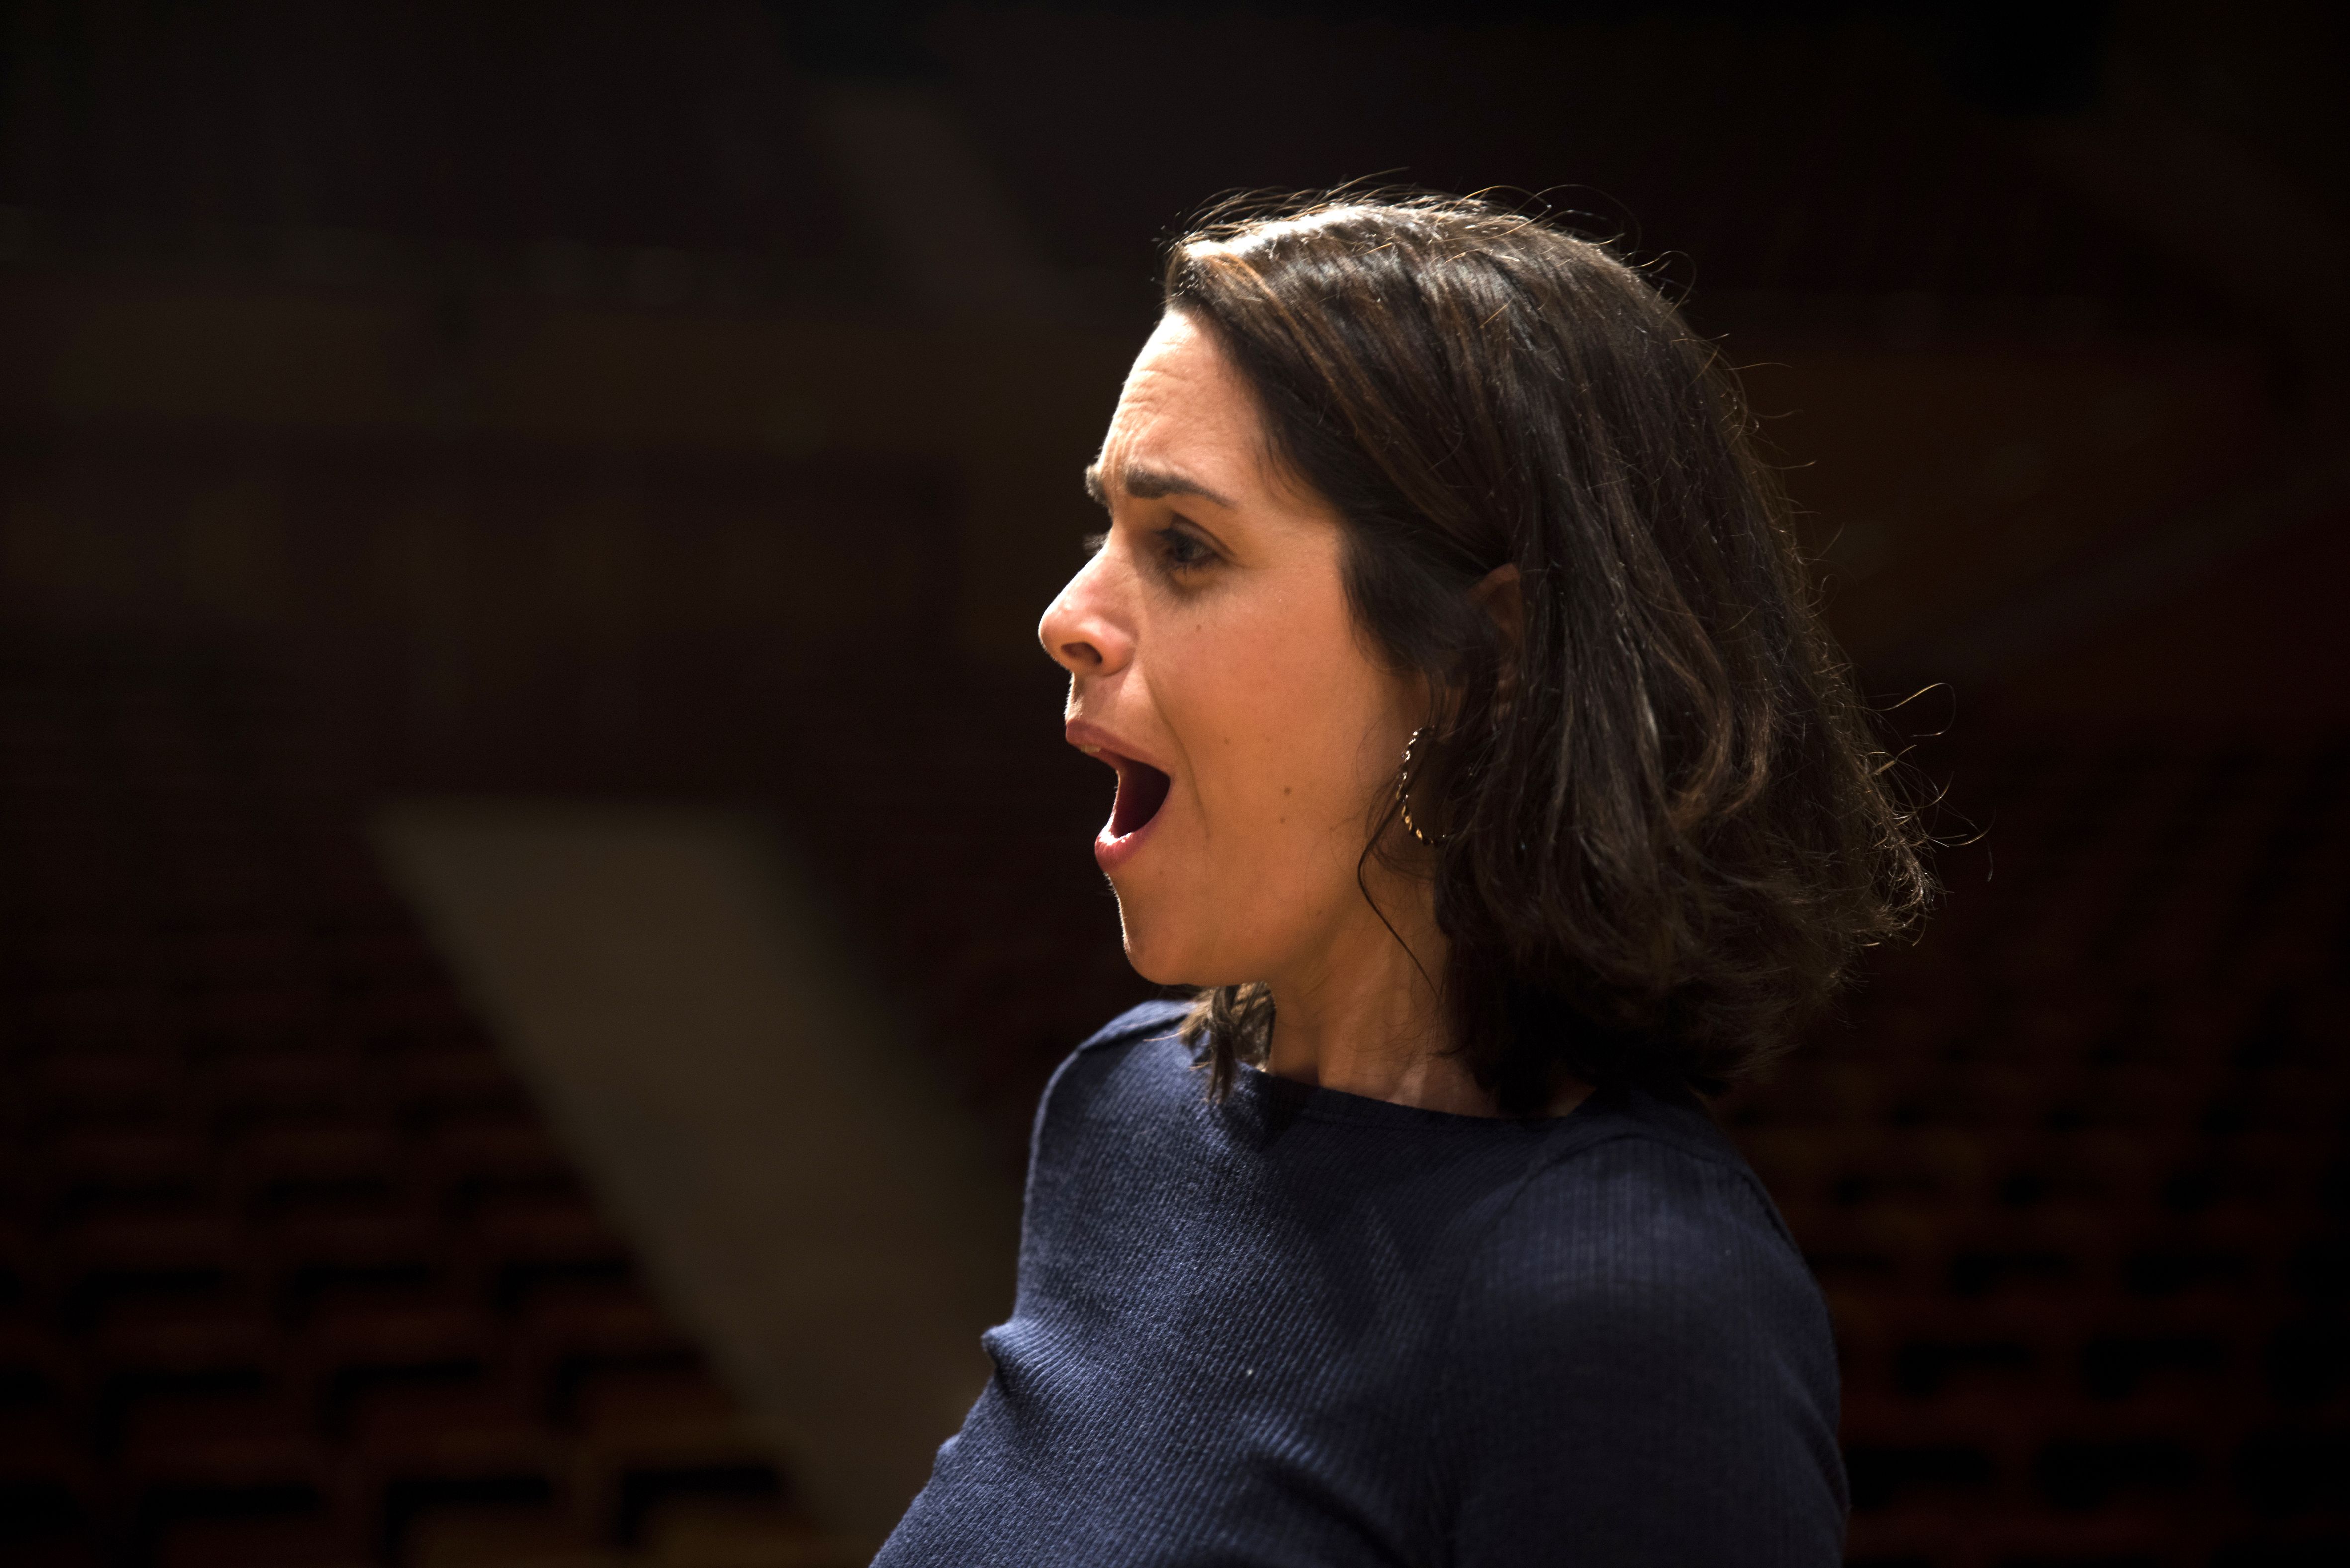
[1184,405]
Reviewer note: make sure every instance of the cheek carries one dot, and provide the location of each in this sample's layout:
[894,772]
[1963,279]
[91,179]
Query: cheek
[1284,723]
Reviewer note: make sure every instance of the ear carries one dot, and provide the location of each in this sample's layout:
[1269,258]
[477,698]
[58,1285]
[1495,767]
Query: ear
[1497,593]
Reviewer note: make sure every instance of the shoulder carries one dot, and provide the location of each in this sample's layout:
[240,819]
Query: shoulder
[1646,1221]
[1138,1051]
[1143,1037]
[1157,1019]
[1639,1365]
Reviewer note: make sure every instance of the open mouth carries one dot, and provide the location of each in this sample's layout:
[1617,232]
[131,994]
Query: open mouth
[1141,791]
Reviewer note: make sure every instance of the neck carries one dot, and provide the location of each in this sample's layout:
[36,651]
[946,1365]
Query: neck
[1359,1015]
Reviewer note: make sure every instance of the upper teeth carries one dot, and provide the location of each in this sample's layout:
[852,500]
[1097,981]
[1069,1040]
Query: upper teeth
[1090,751]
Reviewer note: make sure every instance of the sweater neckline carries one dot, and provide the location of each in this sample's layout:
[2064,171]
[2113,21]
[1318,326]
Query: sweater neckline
[1322,1103]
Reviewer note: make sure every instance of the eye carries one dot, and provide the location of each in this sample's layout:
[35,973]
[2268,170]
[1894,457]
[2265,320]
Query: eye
[1182,550]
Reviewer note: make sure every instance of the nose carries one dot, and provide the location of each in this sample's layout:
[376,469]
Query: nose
[1082,630]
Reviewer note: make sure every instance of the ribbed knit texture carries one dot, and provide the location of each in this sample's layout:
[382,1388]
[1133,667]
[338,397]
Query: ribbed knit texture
[1303,1327]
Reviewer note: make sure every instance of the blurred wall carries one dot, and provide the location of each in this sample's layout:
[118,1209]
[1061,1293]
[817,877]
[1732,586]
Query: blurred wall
[821,1213]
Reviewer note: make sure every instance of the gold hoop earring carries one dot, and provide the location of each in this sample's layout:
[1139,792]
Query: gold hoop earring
[1403,793]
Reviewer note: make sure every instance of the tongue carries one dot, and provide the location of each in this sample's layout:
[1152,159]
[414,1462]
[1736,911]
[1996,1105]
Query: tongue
[1141,791]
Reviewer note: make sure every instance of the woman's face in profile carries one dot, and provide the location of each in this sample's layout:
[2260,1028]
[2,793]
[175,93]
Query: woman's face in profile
[1214,662]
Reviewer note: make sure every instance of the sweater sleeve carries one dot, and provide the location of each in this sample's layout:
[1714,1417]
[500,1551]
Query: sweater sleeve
[1640,1372]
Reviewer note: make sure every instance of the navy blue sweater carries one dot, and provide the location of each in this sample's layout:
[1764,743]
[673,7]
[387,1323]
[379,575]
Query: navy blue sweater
[1306,1328]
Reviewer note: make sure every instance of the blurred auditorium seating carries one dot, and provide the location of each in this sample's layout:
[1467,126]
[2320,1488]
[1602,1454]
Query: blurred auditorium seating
[290,1272]
[2073,1173]
[294,1274]
[574,467]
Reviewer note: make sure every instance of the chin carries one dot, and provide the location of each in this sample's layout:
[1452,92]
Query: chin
[1150,964]
[1150,952]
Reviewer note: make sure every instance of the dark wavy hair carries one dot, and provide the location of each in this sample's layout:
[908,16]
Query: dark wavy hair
[1662,827]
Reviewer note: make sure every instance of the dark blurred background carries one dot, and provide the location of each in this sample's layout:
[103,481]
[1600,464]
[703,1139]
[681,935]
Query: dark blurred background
[487,489]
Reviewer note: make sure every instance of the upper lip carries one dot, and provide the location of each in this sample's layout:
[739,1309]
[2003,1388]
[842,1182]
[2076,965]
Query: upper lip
[1087,736]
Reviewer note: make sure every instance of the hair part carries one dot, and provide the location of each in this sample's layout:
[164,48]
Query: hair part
[1663,829]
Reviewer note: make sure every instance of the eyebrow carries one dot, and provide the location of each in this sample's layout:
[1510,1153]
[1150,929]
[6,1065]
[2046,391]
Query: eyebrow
[1150,485]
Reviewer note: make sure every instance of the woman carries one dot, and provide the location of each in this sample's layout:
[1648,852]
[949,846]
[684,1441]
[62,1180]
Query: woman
[1481,763]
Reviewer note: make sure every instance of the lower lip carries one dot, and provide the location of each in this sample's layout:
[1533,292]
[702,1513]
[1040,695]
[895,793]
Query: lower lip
[1110,854]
